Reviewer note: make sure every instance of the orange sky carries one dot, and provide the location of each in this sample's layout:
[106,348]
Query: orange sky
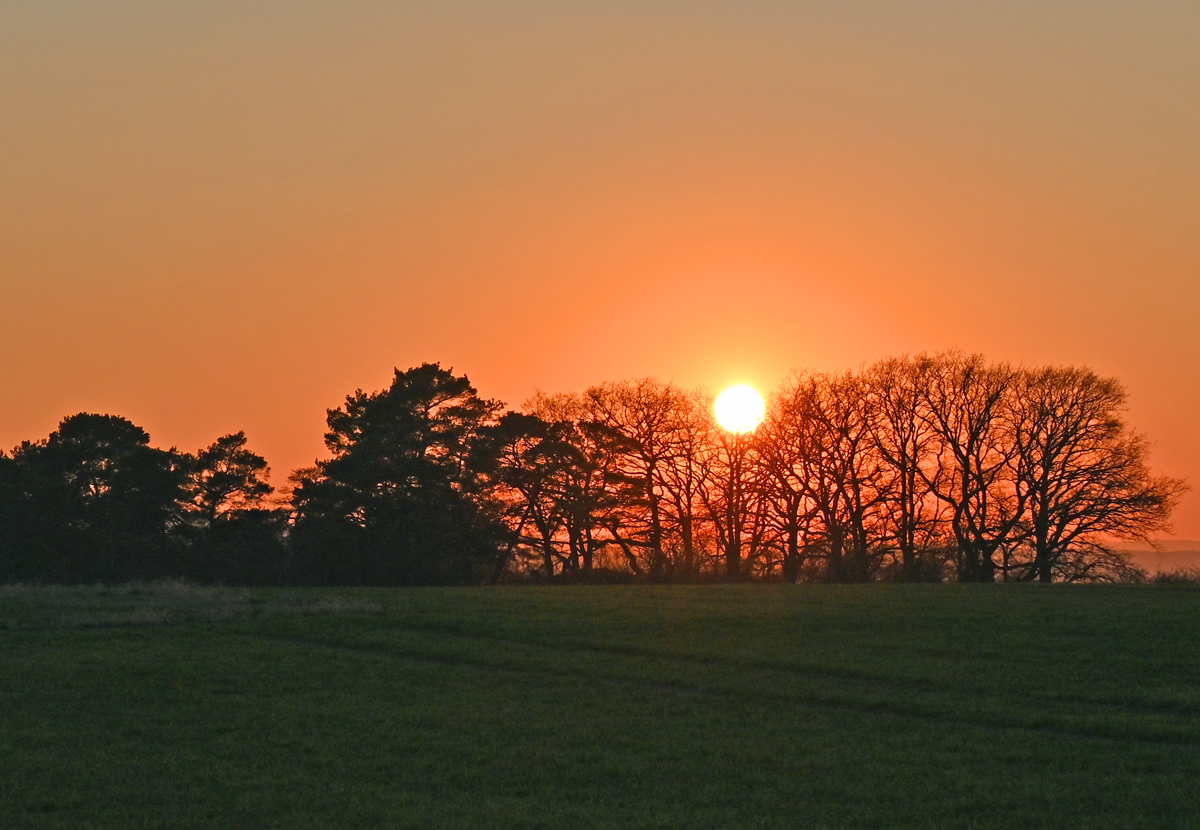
[218,216]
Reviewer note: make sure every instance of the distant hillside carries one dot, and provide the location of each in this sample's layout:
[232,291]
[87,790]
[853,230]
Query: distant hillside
[1171,545]
[1172,555]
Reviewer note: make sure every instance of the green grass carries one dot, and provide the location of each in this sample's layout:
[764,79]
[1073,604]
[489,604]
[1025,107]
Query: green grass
[169,706]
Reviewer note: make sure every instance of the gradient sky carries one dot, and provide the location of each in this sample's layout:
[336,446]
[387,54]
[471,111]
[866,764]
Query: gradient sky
[227,215]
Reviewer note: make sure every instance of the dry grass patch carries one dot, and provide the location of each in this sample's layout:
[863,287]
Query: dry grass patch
[41,607]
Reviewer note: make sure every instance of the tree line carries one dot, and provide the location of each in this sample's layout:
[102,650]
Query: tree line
[923,468]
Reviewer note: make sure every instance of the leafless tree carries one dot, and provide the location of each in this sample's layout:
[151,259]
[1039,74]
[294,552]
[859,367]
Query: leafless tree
[967,404]
[733,501]
[906,442]
[646,413]
[593,496]
[1082,474]
[785,439]
[852,480]
[687,476]
[889,472]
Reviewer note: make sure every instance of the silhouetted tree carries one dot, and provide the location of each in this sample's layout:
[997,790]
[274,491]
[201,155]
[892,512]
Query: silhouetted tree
[92,502]
[905,442]
[887,473]
[890,472]
[1082,474]
[734,499]
[667,430]
[400,501]
[785,439]
[529,455]
[598,498]
[587,501]
[12,495]
[226,477]
[687,472]
[644,412]
[836,466]
[236,535]
[968,404]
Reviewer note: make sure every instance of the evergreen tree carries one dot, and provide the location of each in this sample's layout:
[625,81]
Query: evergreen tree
[400,502]
[92,502]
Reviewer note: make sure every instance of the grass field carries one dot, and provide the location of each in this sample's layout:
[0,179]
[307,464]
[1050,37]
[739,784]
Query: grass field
[760,706]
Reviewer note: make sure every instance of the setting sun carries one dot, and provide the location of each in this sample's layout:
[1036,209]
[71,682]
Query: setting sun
[739,409]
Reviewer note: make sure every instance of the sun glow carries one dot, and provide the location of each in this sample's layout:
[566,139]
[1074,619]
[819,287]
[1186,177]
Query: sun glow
[739,409]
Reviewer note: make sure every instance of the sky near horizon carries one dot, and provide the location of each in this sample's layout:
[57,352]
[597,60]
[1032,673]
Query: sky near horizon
[218,216]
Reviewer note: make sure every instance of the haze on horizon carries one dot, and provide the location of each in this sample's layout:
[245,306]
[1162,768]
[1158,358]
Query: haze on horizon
[226,216]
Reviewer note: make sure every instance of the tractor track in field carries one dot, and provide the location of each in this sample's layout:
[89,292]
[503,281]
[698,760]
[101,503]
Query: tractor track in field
[986,716]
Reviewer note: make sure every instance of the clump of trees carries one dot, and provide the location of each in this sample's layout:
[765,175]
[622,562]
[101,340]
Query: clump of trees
[922,468]
[94,502]
[916,468]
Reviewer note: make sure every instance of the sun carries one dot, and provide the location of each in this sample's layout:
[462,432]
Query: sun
[739,409]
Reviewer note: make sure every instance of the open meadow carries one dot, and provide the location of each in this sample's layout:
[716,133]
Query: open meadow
[761,706]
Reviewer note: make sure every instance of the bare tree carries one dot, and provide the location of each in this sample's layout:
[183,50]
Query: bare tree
[893,470]
[853,479]
[905,441]
[1082,474]
[687,477]
[967,403]
[733,501]
[593,494]
[784,443]
[647,413]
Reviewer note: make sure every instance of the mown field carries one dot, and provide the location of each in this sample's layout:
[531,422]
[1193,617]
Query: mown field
[167,706]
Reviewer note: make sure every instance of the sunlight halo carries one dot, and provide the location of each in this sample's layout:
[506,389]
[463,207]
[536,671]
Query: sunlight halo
[739,409]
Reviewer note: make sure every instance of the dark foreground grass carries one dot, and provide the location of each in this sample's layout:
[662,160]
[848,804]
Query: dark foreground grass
[685,707]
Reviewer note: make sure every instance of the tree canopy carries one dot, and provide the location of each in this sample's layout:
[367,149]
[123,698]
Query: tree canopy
[400,502]
[929,467]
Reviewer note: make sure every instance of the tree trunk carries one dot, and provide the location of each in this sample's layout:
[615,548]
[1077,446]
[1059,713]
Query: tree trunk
[791,558]
[657,559]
